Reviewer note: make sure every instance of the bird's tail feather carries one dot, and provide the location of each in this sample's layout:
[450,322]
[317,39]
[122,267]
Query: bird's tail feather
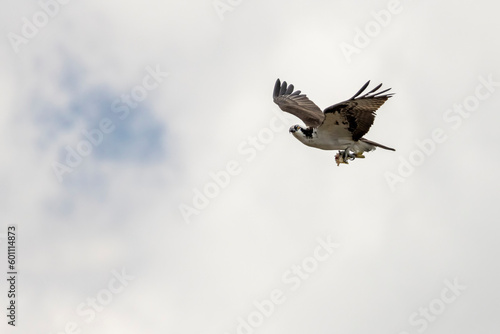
[376,144]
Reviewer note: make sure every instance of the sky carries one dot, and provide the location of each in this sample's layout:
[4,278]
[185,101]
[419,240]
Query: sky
[154,187]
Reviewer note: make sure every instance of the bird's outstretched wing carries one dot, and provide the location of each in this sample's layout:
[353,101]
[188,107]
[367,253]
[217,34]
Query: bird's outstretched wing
[358,113]
[297,104]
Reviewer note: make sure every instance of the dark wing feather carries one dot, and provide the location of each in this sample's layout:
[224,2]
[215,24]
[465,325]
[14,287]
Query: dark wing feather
[359,112]
[297,104]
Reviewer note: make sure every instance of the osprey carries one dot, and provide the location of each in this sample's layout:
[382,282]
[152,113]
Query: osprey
[339,127]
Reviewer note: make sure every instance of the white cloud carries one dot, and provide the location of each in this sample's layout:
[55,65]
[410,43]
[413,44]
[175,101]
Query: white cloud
[397,247]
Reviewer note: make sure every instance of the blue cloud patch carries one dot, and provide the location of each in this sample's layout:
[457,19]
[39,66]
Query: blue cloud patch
[131,136]
[134,135]
[104,125]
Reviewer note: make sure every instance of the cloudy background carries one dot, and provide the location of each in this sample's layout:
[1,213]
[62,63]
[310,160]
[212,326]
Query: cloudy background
[407,225]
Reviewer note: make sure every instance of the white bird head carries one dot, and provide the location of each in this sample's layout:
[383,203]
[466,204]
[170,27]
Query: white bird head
[294,128]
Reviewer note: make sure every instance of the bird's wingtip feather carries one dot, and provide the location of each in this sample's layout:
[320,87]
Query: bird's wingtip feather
[276,90]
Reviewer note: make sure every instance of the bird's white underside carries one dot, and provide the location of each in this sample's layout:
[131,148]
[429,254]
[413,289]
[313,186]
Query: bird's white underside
[324,140]
[333,134]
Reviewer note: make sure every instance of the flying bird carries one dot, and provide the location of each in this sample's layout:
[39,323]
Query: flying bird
[338,127]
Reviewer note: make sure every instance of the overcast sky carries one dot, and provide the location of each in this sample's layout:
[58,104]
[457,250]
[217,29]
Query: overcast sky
[156,188]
